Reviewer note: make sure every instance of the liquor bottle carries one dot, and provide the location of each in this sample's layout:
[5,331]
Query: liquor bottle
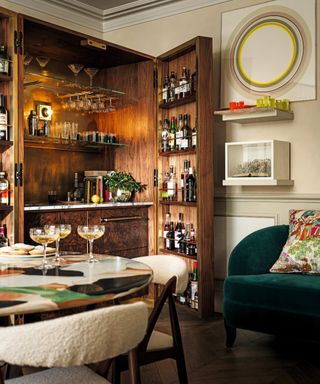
[172,185]
[182,241]
[194,135]
[33,123]
[170,238]
[186,139]
[46,128]
[164,192]
[188,290]
[195,271]
[172,134]
[166,228]
[165,89]
[3,239]
[179,132]
[4,61]
[178,231]
[183,179]
[184,84]
[165,136]
[77,195]
[191,245]
[3,120]
[187,238]
[172,88]
[191,187]
[4,189]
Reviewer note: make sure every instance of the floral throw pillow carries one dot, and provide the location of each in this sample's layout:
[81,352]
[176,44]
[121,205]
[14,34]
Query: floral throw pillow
[301,253]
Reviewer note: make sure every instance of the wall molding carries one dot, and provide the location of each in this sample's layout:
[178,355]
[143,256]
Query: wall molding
[268,198]
[101,21]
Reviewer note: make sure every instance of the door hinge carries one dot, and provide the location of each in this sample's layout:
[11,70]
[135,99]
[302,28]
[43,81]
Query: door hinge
[155,177]
[18,174]
[155,79]
[18,42]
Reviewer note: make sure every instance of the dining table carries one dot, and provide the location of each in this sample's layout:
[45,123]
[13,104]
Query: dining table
[25,289]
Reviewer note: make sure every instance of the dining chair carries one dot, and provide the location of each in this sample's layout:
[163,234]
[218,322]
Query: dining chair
[65,344]
[172,272]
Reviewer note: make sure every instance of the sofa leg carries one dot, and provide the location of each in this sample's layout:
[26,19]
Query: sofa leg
[231,334]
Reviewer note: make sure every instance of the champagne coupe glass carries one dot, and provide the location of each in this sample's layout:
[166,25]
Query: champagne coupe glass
[64,231]
[91,233]
[91,72]
[27,59]
[75,68]
[44,236]
[43,61]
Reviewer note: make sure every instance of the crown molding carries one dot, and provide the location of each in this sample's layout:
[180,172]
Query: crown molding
[87,16]
[142,11]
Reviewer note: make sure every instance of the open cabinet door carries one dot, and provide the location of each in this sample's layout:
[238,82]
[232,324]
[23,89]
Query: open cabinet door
[9,197]
[19,135]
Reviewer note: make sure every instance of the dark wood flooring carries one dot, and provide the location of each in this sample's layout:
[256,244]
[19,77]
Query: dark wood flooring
[256,358]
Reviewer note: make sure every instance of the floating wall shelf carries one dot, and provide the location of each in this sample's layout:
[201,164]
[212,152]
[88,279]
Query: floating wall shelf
[254,115]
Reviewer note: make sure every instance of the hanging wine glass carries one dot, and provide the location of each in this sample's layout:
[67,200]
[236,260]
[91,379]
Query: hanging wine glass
[91,72]
[75,68]
[111,108]
[43,61]
[27,59]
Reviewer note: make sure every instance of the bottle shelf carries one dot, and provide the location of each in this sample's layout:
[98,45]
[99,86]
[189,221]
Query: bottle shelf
[178,203]
[4,78]
[49,143]
[5,144]
[177,103]
[178,153]
[254,115]
[176,253]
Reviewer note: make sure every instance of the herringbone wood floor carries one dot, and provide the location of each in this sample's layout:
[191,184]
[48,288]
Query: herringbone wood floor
[255,359]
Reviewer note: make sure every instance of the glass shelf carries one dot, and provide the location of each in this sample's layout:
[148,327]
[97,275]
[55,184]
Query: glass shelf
[65,88]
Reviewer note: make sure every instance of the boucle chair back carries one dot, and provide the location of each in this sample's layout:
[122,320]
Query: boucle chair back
[84,338]
[166,266]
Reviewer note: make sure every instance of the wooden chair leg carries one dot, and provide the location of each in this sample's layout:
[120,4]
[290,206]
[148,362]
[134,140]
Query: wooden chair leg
[134,371]
[116,371]
[231,334]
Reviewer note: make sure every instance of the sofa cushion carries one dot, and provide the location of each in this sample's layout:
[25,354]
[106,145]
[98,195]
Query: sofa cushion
[301,252]
[280,293]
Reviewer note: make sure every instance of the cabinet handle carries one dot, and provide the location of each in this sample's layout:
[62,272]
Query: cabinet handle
[121,218]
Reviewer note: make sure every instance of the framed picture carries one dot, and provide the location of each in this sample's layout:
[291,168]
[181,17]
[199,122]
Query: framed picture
[269,49]
[44,110]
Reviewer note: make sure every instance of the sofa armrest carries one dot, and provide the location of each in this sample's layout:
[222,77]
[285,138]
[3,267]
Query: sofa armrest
[257,252]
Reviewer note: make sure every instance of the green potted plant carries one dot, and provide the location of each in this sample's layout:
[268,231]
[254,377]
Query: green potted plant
[122,185]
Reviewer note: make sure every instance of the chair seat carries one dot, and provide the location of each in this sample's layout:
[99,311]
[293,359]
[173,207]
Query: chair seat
[76,375]
[159,340]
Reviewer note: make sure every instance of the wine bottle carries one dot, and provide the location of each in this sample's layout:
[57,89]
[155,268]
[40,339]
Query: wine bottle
[178,231]
[179,132]
[4,189]
[165,90]
[77,195]
[194,135]
[4,61]
[3,120]
[186,140]
[172,185]
[166,227]
[172,134]
[3,239]
[183,179]
[170,238]
[191,187]
[165,136]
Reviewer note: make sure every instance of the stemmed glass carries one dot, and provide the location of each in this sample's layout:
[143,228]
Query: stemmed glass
[43,61]
[44,236]
[91,72]
[75,68]
[91,233]
[64,231]
[27,59]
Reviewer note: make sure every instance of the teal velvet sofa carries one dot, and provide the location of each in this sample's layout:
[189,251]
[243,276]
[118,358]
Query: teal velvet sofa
[274,303]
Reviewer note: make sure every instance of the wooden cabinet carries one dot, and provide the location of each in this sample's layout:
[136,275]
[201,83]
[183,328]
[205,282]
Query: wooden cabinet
[126,232]
[195,55]
[130,82]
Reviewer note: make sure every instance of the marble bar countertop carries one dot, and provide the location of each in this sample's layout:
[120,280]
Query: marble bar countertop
[65,206]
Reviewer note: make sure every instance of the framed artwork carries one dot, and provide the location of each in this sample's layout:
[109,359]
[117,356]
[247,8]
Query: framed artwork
[269,49]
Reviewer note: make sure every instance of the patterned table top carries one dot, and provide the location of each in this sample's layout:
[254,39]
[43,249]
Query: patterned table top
[24,289]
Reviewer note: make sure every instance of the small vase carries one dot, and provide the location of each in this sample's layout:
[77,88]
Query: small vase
[121,195]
